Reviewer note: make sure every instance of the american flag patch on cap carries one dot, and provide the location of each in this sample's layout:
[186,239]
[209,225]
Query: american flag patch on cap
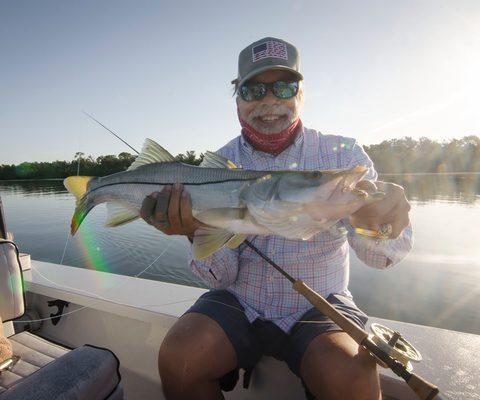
[270,49]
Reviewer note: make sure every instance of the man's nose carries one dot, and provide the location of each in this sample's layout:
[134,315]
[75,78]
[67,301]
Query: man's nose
[270,98]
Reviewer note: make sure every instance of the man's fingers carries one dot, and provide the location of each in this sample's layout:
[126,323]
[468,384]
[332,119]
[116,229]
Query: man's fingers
[395,198]
[401,221]
[367,186]
[399,228]
[161,206]
[148,207]
[188,222]
[174,207]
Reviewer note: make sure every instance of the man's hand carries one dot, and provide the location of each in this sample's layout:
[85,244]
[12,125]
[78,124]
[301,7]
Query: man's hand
[170,211]
[392,209]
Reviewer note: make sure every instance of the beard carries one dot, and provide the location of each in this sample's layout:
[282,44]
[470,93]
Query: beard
[271,119]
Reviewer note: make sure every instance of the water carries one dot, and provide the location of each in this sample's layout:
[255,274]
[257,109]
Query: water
[438,284]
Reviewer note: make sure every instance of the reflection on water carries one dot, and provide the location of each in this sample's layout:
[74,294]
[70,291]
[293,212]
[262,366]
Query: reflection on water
[36,188]
[438,284]
[459,188]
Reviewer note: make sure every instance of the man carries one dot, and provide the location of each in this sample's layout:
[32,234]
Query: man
[252,310]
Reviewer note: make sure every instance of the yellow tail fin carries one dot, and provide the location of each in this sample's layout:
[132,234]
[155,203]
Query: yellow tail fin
[77,185]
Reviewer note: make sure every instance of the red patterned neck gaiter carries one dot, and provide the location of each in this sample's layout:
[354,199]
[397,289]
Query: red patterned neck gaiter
[273,143]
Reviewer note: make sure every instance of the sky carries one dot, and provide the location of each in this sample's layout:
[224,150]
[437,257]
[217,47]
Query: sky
[373,70]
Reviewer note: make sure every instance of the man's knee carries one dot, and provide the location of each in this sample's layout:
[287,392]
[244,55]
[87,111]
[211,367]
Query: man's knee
[362,377]
[194,349]
[335,367]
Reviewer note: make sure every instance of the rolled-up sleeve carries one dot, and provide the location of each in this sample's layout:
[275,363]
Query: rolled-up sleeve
[219,270]
[375,253]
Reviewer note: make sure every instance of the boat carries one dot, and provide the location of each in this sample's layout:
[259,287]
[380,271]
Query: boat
[130,316]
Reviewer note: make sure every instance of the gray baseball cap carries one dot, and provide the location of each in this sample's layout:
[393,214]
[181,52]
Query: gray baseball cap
[265,54]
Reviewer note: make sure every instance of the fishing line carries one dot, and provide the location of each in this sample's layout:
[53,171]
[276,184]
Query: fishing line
[247,242]
[96,296]
[65,248]
[113,133]
[329,322]
[418,384]
[68,239]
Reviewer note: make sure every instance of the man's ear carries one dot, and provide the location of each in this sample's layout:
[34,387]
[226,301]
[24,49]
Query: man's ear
[301,95]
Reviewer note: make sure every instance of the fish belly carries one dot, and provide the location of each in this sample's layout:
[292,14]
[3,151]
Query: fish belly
[219,195]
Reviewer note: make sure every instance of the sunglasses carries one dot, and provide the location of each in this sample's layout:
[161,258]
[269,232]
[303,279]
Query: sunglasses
[258,90]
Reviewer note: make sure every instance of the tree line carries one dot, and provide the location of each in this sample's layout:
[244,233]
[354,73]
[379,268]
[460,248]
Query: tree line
[394,156]
[80,165]
[407,155]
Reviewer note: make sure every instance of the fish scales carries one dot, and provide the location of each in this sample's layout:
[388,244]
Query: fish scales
[202,183]
[230,202]
[175,172]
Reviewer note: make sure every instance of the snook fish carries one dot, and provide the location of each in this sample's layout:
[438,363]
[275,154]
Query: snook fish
[231,202]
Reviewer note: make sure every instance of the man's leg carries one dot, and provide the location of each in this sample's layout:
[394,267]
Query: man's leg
[194,355]
[335,367]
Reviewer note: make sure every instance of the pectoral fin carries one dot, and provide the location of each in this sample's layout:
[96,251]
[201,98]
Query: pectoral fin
[208,240]
[118,215]
[235,241]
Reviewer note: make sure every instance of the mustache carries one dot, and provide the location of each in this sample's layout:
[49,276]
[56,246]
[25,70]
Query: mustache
[275,109]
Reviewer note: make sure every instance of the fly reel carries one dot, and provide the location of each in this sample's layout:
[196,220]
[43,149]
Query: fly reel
[395,346]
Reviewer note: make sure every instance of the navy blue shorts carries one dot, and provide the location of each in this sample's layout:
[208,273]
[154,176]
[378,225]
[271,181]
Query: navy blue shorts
[262,337]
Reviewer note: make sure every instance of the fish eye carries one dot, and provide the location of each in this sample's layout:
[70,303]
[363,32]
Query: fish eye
[316,174]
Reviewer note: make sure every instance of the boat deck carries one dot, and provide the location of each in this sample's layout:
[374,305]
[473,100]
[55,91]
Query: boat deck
[131,316]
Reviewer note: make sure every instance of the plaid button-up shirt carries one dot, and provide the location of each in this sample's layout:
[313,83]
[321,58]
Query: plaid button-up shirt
[321,262]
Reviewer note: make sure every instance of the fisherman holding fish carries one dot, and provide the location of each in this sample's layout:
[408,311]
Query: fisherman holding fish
[251,309]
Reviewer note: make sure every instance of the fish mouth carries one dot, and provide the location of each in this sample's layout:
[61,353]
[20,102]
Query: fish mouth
[353,176]
[341,182]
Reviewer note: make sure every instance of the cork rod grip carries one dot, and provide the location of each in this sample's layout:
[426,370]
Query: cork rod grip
[424,389]
[357,333]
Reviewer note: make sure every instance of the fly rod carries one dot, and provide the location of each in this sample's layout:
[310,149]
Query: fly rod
[393,353]
[424,389]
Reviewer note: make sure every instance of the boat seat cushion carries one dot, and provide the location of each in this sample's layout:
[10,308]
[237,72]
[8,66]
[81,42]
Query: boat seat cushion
[48,371]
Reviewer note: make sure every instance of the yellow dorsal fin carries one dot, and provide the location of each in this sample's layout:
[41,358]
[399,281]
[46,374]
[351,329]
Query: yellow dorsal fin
[77,185]
[151,152]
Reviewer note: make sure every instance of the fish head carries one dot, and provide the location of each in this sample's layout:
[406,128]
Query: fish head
[337,197]
[313,186]
[305,187]
[324,195]
[299,204]
[299,186]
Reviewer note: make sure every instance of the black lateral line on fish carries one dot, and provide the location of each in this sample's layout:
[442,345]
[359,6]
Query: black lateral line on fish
[171,183]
